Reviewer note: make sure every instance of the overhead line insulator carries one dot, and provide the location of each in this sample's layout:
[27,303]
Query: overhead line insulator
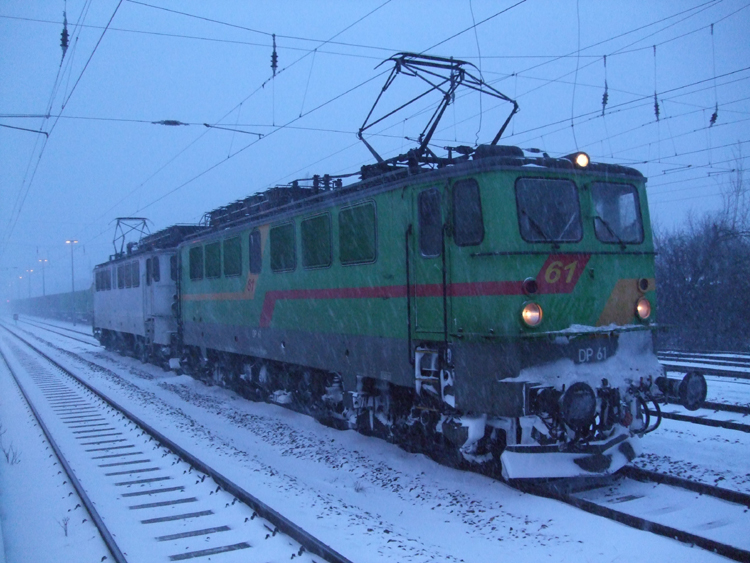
[274,57]
[64,37]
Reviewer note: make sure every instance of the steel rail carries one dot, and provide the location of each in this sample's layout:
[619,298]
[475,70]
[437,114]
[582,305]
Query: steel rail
[725,407]
[644,475]
[283,524]
[636,522]
[728,424]
[706,370]
[36,320]
[60,333]
[109,541]
[706,360]
[727,357]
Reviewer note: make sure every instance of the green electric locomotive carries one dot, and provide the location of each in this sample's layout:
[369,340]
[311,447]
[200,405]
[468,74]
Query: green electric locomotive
[495,306]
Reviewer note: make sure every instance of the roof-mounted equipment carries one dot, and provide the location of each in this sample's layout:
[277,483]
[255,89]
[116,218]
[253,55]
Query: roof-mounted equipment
[445,75]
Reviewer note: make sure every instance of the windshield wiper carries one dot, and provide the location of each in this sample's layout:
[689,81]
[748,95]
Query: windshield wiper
[536,226]
[611,231]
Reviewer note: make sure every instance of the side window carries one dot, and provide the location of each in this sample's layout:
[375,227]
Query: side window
[468,225]
[430,223]
[316,241]
[357,234]
[196,263]
[120,277]
[108,279]
[136,273]
[232,257]
[213,260]
[128,271]
[155,273]
[148,271]
[256,256]
[283,256]
[173,267]
[98,281]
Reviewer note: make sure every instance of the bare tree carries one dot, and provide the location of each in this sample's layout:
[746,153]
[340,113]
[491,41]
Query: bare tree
[703,270]
[735,214]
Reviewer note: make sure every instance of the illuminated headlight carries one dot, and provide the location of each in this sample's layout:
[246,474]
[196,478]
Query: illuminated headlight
[643,308]
[532,314]
[580,159]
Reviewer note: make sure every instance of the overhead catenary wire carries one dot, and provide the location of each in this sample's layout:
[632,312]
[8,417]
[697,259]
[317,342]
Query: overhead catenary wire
[578,55]
[14,219]
[715,115]
[250,144]
[575,80]
[479,53]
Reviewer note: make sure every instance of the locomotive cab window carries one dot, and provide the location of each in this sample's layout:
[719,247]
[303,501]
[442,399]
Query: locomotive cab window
[430,223]
[357,234]
[196,263]
[316,241]
[120,277]
[283,255]
[256,255]
[173,267]
[155,272]
[468,225]
[548,210]
[232,257]
[617,213]
[148,271]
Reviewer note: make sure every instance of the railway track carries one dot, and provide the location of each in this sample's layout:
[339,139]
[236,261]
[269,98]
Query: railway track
[67,329]
[91,340]
[154,501]
[713,518]
[704,421]
[716,364]
[720,365]
[620,500]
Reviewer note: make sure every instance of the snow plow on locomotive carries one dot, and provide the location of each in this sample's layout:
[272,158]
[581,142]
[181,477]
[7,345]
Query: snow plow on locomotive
[495,306]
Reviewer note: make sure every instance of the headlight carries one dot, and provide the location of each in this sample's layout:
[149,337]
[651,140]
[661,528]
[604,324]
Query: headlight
[532,314]
[580,159]
[579,406]
[643,308]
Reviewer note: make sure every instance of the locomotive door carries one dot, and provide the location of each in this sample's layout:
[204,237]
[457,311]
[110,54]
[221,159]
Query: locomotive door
[148,293]
[428,259]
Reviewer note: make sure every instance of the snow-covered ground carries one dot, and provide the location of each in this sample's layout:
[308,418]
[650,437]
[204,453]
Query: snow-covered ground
[368,499]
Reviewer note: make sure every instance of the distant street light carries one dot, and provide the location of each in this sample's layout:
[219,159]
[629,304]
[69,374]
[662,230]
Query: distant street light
[71,242]
[29,272]
[44,288]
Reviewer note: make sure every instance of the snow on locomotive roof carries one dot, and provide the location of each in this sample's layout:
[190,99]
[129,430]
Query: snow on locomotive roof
[390,175]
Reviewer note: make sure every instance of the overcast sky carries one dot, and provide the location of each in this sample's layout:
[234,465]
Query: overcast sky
[105,158]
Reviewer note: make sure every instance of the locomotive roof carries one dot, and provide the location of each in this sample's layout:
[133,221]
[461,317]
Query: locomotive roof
[394,174]
[164,239]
